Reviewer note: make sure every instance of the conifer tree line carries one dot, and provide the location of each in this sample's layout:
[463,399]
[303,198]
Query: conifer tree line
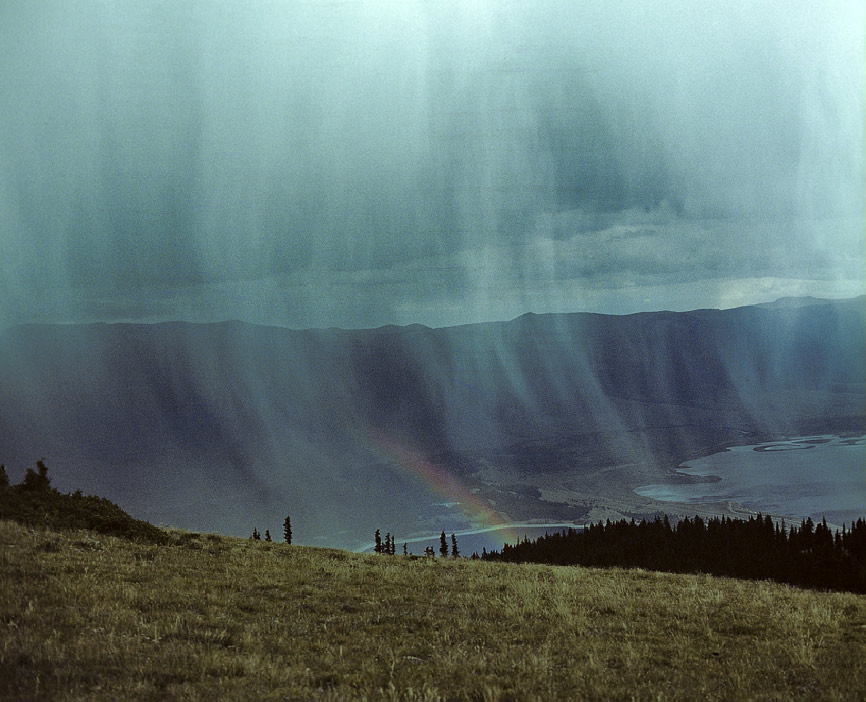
[807,556]
[287,532]
[34,480]
[389,548]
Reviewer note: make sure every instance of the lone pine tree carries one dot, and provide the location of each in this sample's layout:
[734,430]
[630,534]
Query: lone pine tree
[443,546]
[378,547]
[287,530]
[454,552]
[37,481]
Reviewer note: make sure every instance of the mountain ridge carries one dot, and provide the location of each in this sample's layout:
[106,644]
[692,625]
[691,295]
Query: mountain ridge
[215,425]
[781,302]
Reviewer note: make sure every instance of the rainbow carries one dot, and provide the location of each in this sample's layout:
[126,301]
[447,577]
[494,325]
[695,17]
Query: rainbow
[438,479]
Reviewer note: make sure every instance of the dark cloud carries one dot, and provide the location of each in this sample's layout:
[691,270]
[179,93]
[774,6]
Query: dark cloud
[361,163]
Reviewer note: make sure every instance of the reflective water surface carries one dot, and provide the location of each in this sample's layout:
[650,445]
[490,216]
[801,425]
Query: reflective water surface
[813,476]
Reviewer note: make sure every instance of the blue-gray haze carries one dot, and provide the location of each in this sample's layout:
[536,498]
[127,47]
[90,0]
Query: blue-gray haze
[315,163]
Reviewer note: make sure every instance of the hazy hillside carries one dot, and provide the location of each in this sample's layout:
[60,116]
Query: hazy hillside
[225,426]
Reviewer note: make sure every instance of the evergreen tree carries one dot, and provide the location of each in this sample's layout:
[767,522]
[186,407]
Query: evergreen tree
[405,550]
[454,552]
[387,547]
[255,535]
[267,534]
[378,547]
[44,482]
[287,530]
[37,482]
[443,546]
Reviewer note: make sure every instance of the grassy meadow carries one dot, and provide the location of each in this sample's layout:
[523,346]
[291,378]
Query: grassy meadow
[84,616]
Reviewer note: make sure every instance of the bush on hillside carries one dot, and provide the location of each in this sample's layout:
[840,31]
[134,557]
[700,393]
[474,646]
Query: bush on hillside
[35,503]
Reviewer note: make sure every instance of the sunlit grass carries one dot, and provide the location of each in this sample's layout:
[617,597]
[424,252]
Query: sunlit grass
[97,618]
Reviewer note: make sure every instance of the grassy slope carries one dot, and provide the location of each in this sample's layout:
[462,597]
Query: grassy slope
[86,616]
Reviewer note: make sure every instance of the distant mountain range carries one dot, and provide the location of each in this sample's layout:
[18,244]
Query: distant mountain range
[227,426]
[806,301]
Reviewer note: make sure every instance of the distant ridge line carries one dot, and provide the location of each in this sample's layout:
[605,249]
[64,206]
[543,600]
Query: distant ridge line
[781,303]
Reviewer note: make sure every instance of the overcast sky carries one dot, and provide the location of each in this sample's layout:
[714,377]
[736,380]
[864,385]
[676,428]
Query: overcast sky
[395,161]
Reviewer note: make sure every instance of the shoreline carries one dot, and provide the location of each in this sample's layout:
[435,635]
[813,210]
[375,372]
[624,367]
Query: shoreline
[483,530]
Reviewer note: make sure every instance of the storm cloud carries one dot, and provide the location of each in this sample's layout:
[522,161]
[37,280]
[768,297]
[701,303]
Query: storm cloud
[363,163]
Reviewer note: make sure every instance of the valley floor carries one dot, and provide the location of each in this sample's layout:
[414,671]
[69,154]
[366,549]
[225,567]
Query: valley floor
[87,617]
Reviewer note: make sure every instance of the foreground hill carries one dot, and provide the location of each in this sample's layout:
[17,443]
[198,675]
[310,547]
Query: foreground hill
[556,417]
[34,502]
[93,617]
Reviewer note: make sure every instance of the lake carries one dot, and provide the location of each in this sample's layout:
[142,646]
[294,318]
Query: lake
[811,476]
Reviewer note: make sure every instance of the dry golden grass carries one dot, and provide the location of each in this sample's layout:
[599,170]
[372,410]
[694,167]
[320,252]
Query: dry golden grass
[86,617]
